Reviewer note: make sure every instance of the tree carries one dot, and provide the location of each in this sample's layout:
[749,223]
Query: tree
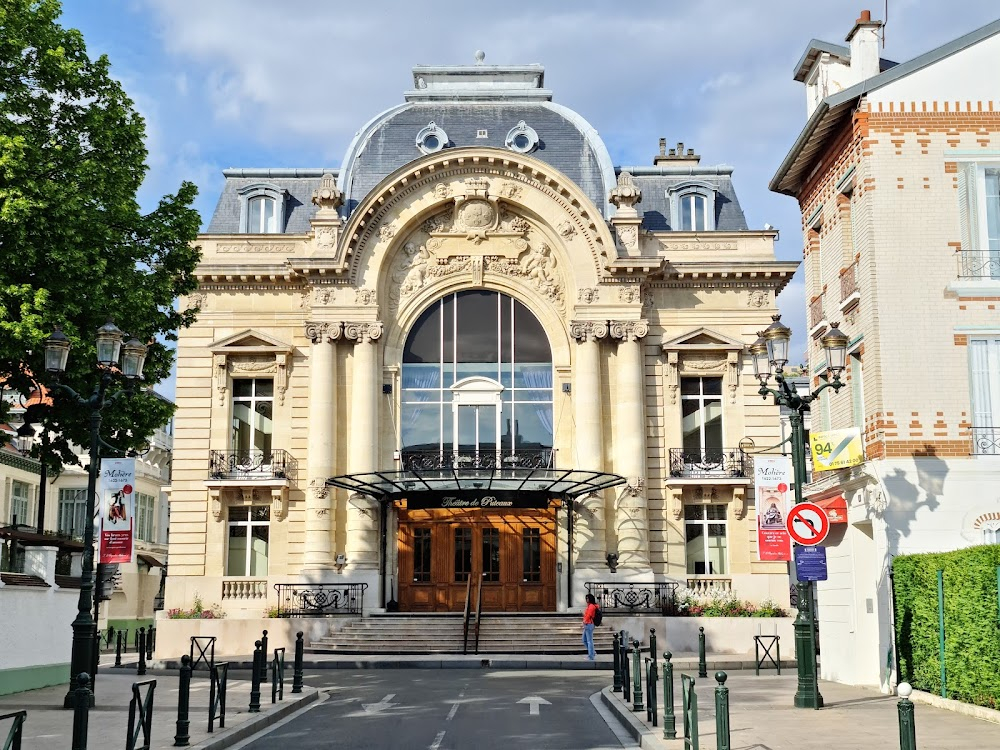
[74,247]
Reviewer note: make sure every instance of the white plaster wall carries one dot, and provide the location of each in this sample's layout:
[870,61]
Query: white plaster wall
[966,75]
[37,627]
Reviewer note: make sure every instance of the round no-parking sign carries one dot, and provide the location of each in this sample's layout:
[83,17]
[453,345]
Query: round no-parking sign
[807,524]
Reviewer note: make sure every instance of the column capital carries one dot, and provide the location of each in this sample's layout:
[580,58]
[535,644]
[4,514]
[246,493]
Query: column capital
[588,330]
[629,330]
[365,332]
[319,330]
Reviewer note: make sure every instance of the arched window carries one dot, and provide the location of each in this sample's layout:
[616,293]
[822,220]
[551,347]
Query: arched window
[262,209]
[991,532]
[477,377]
[692,206]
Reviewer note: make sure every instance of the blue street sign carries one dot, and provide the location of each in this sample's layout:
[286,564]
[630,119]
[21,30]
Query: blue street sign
[810,563]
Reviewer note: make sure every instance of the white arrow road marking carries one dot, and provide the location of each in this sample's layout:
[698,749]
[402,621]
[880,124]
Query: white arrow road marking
[374,708]
[533,703]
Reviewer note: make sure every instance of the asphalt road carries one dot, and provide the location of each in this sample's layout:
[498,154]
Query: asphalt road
[449,709]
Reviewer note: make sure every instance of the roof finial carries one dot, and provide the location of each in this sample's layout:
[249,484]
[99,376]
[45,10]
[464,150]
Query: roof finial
[480,56]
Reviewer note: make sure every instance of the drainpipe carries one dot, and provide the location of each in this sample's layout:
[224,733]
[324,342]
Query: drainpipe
[384,518]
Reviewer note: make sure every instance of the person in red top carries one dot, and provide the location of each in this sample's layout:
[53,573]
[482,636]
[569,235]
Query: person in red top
[588,626]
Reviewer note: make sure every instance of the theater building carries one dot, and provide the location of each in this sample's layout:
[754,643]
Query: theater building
[477,350]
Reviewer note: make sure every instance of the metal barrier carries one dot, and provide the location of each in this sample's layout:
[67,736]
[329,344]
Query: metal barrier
[258,659]
[141,708]
[217,695]
[320,599]
[300,648]
[907,722]
[669,720]
[702,664]
[278,675]
[689,710]
[13,741]
[614,597]
[206,651]
[182,735]
[81,711]
[723,739]
[758,644]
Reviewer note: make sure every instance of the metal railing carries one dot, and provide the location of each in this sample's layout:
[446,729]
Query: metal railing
[708,585]
[217,695]
[631,598]
[244,588]
[466,612]
[13,741]
[140,708]
[977,264]
[986,441]
[320,599]
[711,462]
[479,609]
[252,464]
[849,281]
[479,459]
[816,314]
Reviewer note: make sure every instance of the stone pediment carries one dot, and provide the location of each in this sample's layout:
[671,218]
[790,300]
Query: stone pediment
[249,342]
[702,339]
[702,352]
[250,354]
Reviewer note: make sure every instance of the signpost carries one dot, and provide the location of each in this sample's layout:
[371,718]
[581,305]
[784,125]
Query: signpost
[808,524]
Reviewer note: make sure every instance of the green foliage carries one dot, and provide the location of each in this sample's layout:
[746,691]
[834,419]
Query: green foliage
[971,623]
[725,605]
[199,612]
[74,247]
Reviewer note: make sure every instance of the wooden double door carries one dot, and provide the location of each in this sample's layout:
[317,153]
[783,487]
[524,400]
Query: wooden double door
[514,553]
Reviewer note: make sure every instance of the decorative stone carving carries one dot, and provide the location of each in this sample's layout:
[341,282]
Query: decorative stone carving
[279,503]
[756,298]
[732,374]
[275,248]
[672,375]
[587,295]
[740,502]
[635,486]
[628,235]
[327,197]
[442,191]
[706,494]
[386,232]
[704,363]
[629,293]
[326,237]
[215,502]
[276,365]
[221,377]
[513,223]
[588,330]
[438,223]
[196,300]
[510,190]
[365,332]
[318,331]
[365,297]
[323,295]
[626,194]
[566,229]
[629,330]
[319,489]
[676,502]
[539,266]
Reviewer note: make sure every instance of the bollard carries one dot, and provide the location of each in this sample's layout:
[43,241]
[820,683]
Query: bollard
[278,675]
[723,739]
[149,642]
[617,687]
[652,646]
[300,648]
[626,677]
[118,650]
[81,711]
[669,720]
[263,661]
[258,657]
[907,724]
[141,669]
[182,736]
[702,664]
[636,677]
[651,676]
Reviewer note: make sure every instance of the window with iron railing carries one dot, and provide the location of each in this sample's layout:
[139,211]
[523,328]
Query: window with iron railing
[984,366]
[706,545]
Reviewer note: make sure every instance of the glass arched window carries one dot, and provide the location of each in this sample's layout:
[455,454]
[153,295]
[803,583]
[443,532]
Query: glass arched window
[262,209]
[692,206]
[693,213]
[477,377]
[263,216]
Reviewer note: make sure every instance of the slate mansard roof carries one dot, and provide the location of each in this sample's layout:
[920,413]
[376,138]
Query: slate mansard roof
[464,101]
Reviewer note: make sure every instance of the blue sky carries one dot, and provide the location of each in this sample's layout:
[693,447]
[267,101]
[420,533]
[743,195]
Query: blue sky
[255,83]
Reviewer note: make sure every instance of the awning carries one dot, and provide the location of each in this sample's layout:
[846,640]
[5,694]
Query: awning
[149,560]
[499,487]
[835,507]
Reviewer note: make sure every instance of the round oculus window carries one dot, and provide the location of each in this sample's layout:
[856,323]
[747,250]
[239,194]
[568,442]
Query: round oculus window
[522,138]
[431,139]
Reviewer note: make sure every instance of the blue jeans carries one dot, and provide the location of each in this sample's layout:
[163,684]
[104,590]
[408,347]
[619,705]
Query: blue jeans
[588,640]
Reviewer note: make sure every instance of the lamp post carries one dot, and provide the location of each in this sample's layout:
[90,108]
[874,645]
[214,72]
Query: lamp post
[770,355]
[109,346]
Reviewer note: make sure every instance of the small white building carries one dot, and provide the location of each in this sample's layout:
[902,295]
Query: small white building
[897,173]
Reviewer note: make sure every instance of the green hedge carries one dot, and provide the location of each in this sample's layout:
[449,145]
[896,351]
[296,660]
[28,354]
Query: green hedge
[971,623]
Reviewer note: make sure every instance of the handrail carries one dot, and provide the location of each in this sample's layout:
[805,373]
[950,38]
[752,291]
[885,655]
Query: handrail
[465,625]
[479,610]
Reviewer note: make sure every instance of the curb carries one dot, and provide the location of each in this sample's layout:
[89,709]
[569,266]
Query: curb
[253,726]
[643,735]
[966,709]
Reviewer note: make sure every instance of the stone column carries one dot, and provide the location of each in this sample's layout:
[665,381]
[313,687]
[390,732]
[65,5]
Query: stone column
[589,535]
[362,510]
[630,445]
[317,554]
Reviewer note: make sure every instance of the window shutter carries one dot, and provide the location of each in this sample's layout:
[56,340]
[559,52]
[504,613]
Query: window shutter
[967,207]
[982,407]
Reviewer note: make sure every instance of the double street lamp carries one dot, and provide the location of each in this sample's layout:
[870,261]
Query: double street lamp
[109,351]
[770,355]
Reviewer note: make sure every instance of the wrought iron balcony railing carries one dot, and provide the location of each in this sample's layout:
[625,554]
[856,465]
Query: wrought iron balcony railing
[628,598]
[977,264]
[482,459]
[252,465]
[816,314]
[986,441]
[717,462]
[849,281]
[320,599]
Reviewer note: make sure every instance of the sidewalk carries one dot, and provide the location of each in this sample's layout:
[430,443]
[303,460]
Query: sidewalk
[762,716]
[50,727]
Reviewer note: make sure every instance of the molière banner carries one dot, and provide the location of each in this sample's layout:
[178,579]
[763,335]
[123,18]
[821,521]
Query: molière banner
[116,490]
[773,490]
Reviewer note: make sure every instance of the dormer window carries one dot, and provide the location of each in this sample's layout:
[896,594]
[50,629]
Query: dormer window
[692,207]
[262,209]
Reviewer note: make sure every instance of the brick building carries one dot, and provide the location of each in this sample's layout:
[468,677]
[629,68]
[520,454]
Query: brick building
[896,173]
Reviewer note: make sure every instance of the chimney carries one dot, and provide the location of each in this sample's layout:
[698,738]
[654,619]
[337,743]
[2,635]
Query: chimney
[864,41]
[676,157]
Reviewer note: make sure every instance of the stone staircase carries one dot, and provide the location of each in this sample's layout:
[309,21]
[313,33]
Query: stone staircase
[504,633]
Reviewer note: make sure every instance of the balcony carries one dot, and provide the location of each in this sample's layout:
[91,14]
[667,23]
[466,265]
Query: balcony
[817,316]
[986,441]
[976,264]
[253,465]
[718,463]
[850,295]
[534,458]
